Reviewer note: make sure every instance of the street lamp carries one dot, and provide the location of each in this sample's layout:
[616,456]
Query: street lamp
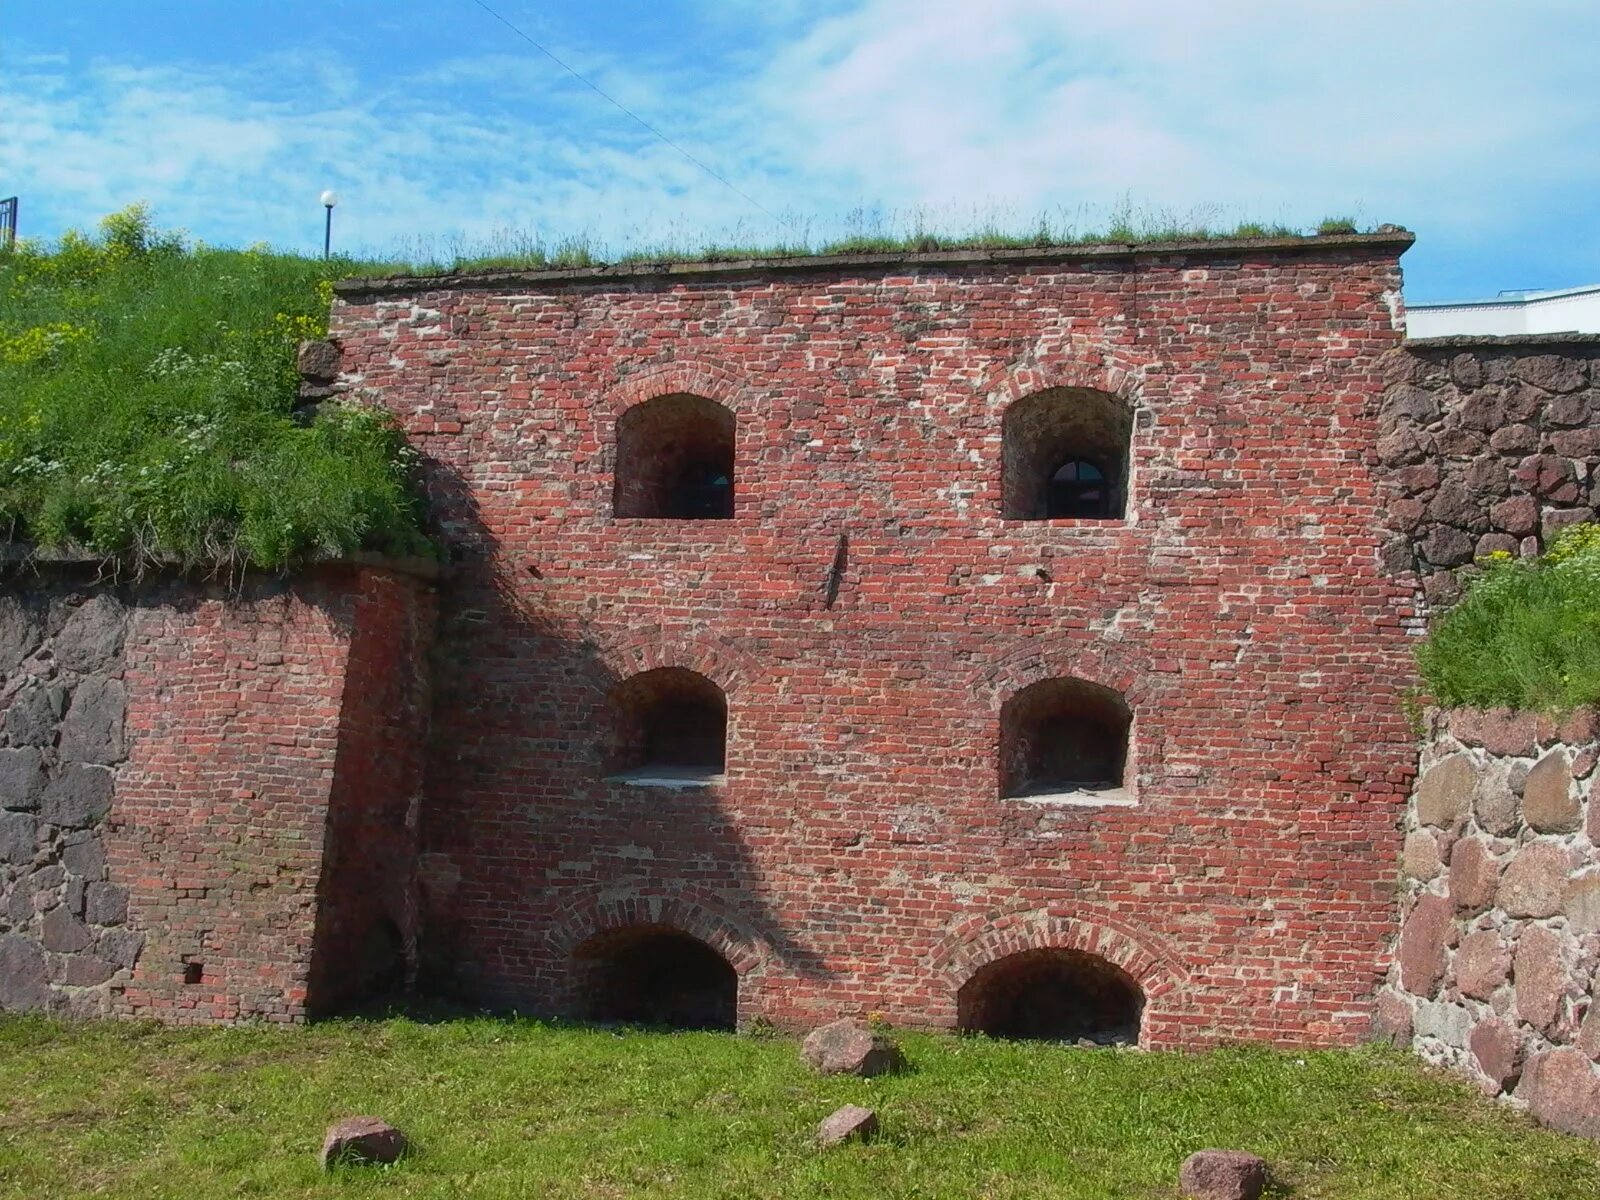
[329,199]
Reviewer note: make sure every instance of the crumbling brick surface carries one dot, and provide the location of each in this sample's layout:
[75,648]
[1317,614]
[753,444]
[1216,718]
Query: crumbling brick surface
[174,751]
[868,611]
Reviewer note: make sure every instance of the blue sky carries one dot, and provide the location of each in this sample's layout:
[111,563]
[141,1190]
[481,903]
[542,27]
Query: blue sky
[1474,122]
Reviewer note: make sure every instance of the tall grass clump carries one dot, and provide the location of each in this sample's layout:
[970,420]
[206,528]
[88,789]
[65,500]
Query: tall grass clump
[1526,634]
[147,391]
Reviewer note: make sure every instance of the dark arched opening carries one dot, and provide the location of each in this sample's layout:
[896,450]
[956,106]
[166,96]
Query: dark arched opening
[1065,454]
[658,976]
[669,722]
[1053,995]
[675,460]
[1064,735]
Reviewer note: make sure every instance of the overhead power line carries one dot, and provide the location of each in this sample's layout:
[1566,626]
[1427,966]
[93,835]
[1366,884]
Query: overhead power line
[620,107]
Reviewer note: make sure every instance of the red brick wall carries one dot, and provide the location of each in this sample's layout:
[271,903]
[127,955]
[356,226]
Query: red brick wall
[245,724]
[370,863]
[858,856]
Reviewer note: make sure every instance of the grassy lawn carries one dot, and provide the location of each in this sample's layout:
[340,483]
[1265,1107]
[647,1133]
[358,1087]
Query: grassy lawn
[500,1108]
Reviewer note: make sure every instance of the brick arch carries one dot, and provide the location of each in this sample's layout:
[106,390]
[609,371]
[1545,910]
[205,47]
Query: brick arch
[696,376]
[644,650]
[1038,659]
[978,940]
[688,911]
[1019,380]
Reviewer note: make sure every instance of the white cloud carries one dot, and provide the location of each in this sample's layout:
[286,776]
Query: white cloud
[1455,117]
[1426,112]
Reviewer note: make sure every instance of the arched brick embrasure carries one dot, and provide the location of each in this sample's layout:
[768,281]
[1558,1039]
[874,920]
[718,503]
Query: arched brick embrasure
[697,914]
[1036,659]
[697,377]
[979,940]
[1016,381]
[616,659]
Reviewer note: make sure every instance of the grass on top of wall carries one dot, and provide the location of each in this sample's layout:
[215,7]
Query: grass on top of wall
[146,395]
[515,1109]
[1525,635]
[861,232]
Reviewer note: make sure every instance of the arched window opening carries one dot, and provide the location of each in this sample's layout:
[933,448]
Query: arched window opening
[669,726]
[1065,736]
[1078,488]
[1065,454]
[656,976]
[1052,995]
[675,460]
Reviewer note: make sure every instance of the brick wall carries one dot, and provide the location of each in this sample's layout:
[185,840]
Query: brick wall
[173,750]
[868,612]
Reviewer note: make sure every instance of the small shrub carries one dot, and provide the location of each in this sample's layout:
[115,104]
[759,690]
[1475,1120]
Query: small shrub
[1526,634]
[1330,225]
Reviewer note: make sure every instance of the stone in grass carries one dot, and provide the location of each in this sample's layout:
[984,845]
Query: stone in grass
[361,1140]
[848,1047]
[850,1122]
[1222,1175]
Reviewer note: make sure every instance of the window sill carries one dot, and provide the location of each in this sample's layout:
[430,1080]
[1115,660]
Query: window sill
[675,779]
[1084,797]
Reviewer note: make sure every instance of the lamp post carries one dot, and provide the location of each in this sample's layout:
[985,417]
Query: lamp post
[329,199]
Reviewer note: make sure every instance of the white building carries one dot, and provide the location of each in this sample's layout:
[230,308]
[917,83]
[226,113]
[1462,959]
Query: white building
[1567,310]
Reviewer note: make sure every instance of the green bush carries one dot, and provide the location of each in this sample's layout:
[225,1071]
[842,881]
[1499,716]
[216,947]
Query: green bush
[1526,634]
[147,390]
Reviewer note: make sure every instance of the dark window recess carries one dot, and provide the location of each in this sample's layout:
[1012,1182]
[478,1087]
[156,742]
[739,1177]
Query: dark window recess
[675,460]
[1062,735]
[668,719]
[193,973]
[704,493]
[654,975]
[1052,995]
[1079,488]
[1064,453]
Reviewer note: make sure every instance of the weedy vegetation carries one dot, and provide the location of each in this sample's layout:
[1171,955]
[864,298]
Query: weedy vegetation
[147,389]
[515,1108]
[1526,633]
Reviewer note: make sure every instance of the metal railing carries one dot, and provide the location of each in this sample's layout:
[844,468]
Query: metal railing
[8,222]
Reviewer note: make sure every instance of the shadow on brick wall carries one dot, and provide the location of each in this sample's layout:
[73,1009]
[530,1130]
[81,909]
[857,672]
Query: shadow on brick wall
[531,854]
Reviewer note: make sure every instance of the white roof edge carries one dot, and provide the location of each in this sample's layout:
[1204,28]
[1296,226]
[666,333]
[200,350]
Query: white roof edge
[1507,301]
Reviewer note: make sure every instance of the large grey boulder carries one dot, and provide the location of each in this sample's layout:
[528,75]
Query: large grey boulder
[23,981]
[91,639]
[21,778]
[91,731]
[78,797]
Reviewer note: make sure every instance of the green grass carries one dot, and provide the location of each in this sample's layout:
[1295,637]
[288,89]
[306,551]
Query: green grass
[147,390]
[514,250]
[504,1108]
[1526,634]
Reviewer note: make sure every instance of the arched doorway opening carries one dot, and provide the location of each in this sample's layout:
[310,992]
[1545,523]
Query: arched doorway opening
[655,975]
[1052,995]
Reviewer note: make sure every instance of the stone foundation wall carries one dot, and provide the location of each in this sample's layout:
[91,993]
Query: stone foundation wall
[1486,444]
[168,770]
[1495,966]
